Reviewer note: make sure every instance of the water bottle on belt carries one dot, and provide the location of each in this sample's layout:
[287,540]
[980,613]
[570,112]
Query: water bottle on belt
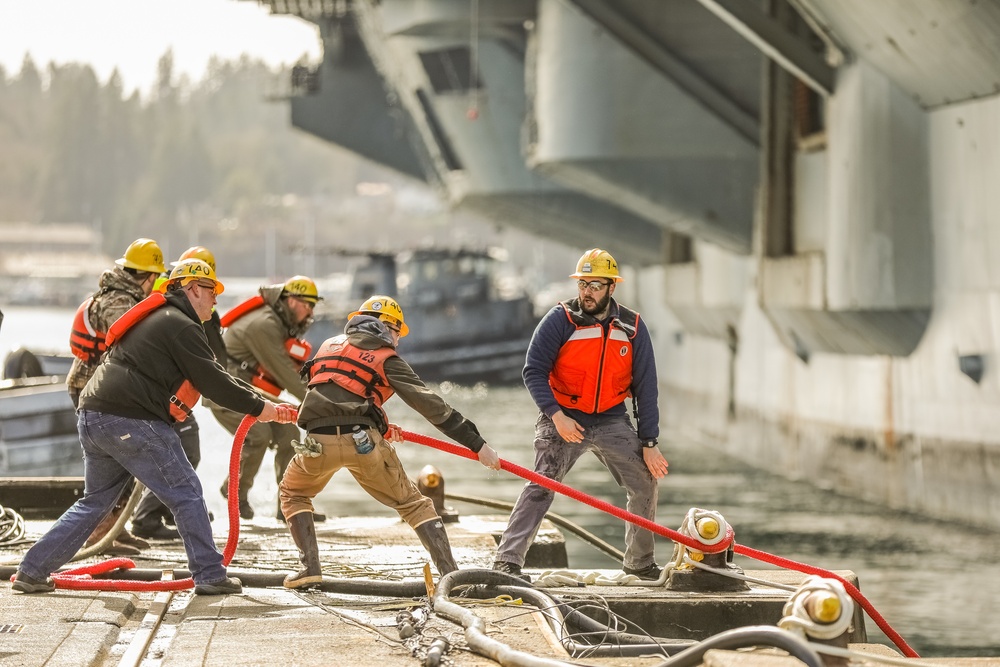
[362,443]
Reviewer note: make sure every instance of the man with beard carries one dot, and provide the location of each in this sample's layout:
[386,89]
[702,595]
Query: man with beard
[586,357]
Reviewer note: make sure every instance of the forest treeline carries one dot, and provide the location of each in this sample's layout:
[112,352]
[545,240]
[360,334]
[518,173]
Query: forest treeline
[76,149]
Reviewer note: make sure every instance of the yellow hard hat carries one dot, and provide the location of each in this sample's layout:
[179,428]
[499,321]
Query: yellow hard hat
[384,308]
[597,263]
[195,269]
[303,288]
[143,255]
[197,252]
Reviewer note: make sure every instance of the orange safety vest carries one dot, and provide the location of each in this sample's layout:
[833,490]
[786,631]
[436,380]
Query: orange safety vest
[85,341]
[298,349]
[359,371]
[184,399]
[593,372]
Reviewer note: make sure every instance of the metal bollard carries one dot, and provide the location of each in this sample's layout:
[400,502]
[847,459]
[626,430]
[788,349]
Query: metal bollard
[430,483]
[706,526]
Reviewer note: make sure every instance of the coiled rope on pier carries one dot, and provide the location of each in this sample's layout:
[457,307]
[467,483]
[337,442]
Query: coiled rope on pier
[11,526]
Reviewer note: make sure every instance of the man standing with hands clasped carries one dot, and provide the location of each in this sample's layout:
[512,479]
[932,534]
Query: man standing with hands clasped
[586,357]
[158,363]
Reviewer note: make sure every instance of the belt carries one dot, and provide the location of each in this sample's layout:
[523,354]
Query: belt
[343,429]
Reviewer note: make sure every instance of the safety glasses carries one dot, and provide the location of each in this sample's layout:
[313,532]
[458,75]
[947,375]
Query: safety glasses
[592,285]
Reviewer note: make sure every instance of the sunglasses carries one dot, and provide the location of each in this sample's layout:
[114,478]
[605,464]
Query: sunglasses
[208,286]
[309,303]
[592,285]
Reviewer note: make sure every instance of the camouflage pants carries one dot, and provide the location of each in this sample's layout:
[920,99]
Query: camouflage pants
[616,445]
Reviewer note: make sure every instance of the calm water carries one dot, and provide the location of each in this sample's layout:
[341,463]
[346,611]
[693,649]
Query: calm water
[935,582]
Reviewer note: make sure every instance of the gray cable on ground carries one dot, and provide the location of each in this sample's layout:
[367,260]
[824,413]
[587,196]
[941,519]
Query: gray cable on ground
[560,521]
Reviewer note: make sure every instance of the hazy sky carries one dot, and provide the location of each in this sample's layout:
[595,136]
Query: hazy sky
[133,34]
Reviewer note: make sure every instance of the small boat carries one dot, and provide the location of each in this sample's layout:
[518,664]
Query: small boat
[38,434]
[466,326]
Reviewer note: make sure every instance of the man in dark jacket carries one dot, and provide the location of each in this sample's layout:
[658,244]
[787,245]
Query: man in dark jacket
[125,417]
[351,376]
[586,357]
[150,514]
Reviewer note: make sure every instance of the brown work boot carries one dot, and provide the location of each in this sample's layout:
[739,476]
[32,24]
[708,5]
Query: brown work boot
[435,539]
[106,524]
[128,538]
[304,533]
[117,548]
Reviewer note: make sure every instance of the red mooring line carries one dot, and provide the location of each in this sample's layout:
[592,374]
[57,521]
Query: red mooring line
[81,578]
[559,487]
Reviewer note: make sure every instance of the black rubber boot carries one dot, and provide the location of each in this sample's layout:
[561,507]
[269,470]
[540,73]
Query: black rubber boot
[304,533]
[435,539]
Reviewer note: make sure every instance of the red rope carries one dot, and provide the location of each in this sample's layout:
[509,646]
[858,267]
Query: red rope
[559,487]
[80,578]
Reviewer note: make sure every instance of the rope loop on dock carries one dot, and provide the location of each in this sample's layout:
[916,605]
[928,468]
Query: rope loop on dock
[11,526]
[81,578]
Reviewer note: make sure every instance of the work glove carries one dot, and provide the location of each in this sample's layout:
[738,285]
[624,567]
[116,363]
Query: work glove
[308,447]
[489,458]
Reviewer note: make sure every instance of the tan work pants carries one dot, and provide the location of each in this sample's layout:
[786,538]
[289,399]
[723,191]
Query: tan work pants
[379,473]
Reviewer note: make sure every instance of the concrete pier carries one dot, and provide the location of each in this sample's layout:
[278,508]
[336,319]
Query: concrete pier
[268,624]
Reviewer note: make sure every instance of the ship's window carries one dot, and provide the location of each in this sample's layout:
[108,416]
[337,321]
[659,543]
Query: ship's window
[450,70]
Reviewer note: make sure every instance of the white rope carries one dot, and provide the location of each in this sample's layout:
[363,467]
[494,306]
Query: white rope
[563,578]
[689,526]
[11,526]
[798,619]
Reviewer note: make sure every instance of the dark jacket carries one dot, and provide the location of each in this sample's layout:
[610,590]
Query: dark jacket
[259,338]
[147,365]
[213,329]
[549,337]
[332,405]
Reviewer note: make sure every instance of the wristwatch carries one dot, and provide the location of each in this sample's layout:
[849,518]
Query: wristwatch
[649,444]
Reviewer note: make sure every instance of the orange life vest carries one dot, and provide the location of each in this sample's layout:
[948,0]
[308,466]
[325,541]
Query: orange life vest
[183,400]
[593,371]
[241,309]
[298,349]
[359,371]
[85,341]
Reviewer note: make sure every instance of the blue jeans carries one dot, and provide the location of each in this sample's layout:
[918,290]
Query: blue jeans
[617,446]
[114,450]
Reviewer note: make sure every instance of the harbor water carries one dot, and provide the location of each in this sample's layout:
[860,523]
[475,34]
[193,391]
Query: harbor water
[934,582]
